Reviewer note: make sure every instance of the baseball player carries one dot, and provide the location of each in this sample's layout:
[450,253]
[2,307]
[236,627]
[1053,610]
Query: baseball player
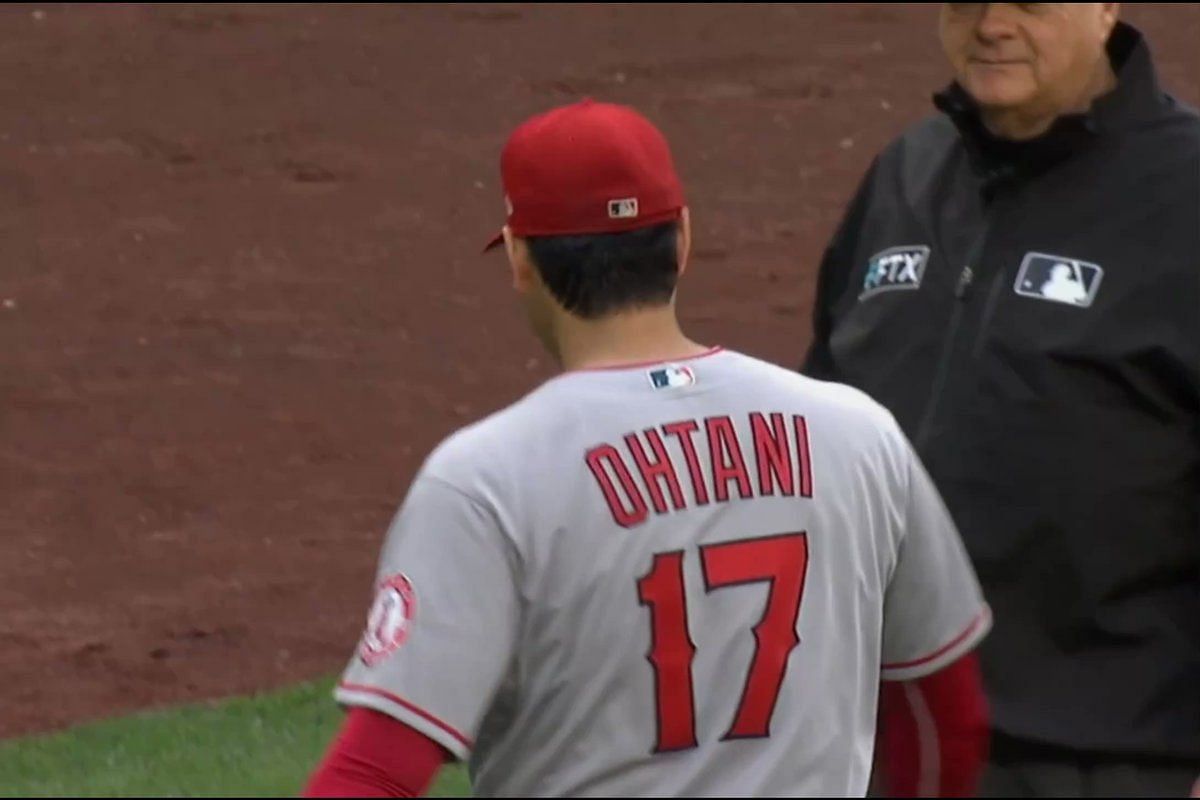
[671,570]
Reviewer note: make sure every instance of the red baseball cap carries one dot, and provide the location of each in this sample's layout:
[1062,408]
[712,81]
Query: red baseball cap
[587,168]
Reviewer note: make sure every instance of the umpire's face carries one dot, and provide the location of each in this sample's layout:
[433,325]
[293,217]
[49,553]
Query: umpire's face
[1034,58]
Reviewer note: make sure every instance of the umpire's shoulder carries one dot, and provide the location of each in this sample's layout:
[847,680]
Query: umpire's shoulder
[920,153]
[933,134]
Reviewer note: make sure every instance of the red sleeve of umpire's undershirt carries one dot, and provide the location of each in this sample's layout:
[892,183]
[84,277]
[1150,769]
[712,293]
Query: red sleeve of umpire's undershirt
[376,756]
[933,733]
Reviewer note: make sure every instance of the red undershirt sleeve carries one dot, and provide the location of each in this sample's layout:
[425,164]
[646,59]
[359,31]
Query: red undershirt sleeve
[375,755]
[933,733]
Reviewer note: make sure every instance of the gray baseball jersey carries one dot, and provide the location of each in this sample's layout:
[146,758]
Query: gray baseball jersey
[666,579]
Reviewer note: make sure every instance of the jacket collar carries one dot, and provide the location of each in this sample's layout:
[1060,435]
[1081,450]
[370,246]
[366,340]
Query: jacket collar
[1136,96]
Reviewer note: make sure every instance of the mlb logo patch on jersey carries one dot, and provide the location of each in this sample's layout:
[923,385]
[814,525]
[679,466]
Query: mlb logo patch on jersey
[1058,279]
[672,376]
[895,268]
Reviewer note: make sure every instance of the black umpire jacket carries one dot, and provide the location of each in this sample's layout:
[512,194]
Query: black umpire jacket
[1030,313]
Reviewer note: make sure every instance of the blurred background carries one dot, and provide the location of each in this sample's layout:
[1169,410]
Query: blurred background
[242,294]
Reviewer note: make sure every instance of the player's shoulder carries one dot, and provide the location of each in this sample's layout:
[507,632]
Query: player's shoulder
[842,419]
[493,444]
[836,402]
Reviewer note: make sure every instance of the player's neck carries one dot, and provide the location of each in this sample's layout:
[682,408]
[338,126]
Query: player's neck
[630,338]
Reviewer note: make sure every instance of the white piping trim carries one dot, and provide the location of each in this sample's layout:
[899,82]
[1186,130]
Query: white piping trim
[928,752]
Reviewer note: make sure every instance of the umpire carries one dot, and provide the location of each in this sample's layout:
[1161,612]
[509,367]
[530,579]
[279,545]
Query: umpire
[1018,280]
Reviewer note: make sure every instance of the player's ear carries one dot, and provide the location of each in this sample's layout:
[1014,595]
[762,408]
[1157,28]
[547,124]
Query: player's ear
[683,239]
[510,250]
[518,261]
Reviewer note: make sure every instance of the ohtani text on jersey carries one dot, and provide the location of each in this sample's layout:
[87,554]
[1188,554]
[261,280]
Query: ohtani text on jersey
[775,462]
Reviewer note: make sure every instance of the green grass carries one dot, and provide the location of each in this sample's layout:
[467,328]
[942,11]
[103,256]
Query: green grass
[262,746]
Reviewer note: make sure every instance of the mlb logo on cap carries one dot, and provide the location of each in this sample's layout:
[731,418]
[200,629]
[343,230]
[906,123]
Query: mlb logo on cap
[623,209]
[673,376]
[1058,279]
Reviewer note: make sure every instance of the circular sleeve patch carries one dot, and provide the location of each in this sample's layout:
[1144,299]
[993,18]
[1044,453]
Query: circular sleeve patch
[390,619]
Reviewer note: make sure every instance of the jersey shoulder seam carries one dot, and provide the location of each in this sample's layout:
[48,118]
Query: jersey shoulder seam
[475,501]
[483,507]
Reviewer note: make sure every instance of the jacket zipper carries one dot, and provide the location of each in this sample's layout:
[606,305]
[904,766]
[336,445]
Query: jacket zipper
[961,290]
[989,310]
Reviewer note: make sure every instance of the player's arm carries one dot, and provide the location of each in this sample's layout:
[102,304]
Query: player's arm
[375,755]
[933,733]
[933,715]
[438,643]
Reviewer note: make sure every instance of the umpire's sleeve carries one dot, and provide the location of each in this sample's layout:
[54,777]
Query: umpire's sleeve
[836,266]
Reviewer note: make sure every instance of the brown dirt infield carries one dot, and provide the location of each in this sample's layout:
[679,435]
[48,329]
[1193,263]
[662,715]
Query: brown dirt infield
[243,294]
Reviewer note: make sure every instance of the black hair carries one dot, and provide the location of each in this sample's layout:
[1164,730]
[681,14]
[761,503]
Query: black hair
[595,275]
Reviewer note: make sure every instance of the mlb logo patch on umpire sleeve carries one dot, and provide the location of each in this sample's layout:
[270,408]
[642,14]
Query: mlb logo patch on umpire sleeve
[1058,279]
[895,268]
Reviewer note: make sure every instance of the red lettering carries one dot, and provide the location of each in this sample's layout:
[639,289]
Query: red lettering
[628,507]
[803,457]
[727,462]
[772,455]
[660,469]
[683,431]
